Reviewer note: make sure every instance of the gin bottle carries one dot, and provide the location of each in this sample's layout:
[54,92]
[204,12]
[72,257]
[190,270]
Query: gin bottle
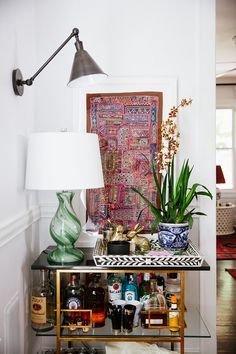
[131,291]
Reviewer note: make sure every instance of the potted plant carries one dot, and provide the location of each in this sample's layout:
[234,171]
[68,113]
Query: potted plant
[173,215]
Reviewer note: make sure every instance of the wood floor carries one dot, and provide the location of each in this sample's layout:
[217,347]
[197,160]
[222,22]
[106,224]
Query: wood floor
[226,308]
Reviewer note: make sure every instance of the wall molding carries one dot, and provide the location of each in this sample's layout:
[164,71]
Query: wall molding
[19,224]
[11,324]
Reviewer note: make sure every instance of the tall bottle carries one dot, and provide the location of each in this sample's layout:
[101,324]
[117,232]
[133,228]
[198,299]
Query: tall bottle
[160,284]
[43,304]
[144,287]
[95,300]
[172,287]
[174,315]
[73,300]
[114,284]
[130,291]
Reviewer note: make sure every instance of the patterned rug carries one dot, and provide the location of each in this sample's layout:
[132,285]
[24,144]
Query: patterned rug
[232,272]
[226,247]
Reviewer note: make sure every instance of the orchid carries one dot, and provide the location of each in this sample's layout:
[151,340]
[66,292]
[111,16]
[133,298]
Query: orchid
[175,195]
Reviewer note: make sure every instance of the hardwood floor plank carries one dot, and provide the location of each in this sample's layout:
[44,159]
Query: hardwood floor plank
[226,308]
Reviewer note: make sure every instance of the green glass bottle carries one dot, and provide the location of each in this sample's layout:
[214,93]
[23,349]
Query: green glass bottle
[144,286]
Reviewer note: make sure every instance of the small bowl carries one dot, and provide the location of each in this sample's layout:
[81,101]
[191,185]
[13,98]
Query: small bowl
[118,247]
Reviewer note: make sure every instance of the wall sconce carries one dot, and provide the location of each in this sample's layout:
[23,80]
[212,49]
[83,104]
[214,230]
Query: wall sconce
[84,68]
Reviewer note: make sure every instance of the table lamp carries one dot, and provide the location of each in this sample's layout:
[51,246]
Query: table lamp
[219,179]
[64,162]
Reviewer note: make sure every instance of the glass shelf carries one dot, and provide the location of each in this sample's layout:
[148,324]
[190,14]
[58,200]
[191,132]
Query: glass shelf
[195,328]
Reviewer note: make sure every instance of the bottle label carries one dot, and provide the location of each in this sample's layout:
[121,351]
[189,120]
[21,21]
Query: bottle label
[114,292]
[154,321]
[173,321]
[38,309]
[73,303]
[129,295]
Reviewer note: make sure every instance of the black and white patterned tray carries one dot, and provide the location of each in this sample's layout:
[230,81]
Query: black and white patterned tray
[188,258]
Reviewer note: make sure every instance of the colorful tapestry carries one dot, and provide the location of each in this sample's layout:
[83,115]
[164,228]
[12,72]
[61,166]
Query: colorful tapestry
[128,126]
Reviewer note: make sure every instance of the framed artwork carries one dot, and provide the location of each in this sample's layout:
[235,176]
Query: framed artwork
[128,126]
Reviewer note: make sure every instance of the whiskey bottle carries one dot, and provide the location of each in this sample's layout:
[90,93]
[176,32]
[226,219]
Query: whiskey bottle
[174,315]
[43,304]
[95,300]
[73,300]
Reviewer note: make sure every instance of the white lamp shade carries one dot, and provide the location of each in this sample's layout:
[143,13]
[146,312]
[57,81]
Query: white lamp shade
[63,161]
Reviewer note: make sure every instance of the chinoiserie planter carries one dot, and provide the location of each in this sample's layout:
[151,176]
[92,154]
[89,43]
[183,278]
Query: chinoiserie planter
[173,237]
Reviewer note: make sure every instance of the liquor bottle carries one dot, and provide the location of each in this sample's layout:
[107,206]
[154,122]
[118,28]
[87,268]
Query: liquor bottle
[144,287]
[174,315]
[160,284]
[73,300]
[95,300]
[173,287]
[43,304]
[114,284]
[131,291]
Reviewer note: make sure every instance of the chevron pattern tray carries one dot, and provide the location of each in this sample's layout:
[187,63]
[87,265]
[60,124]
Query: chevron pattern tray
[158,257]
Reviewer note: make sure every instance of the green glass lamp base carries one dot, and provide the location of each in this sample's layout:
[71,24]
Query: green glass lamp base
[65,229]
[65,255]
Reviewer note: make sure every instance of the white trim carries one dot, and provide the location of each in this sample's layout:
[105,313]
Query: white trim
[19,224]
[14,301]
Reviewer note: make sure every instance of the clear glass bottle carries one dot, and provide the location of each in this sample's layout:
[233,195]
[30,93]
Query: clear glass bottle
[95,300]
[114,285]
[173,287]
[74,295]
[43,304]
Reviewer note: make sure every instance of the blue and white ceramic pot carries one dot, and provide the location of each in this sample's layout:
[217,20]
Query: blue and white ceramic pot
[173,237]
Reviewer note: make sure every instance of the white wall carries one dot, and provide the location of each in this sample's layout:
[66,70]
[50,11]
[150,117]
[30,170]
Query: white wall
[127,38]
[18,217]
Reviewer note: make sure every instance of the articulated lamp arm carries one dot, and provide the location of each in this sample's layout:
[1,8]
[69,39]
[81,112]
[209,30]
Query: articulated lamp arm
[83,65]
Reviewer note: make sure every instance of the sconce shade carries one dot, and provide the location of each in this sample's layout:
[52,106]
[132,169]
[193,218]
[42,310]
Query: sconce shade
[63,161]
[81,71]
[219,175]
[85,69]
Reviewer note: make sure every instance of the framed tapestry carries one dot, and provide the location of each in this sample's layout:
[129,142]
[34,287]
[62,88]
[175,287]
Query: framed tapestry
[129,130]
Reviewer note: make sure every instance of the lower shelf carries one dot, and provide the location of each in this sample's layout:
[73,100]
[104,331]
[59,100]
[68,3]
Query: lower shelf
[195,328]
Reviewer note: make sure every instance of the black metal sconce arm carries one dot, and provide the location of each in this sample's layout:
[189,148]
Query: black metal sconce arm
[17,78]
